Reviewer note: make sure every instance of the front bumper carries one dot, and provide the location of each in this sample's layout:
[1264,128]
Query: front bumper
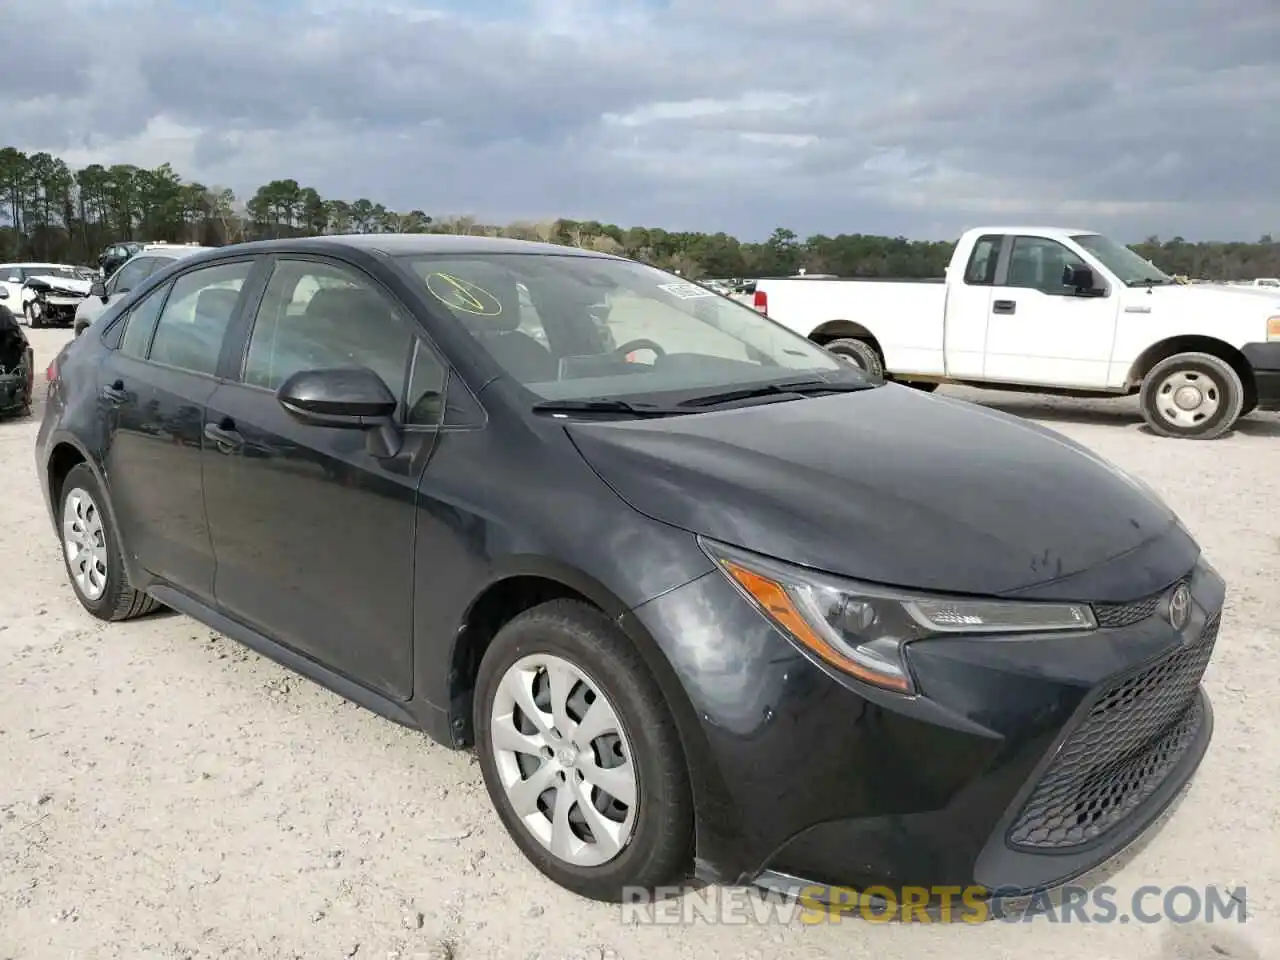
[56,310]
[1020,765]
[1264,358]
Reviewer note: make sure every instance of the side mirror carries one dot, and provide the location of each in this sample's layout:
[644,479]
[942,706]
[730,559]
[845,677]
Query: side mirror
[14,279]
[98,289]
[1079,279]
[346,398]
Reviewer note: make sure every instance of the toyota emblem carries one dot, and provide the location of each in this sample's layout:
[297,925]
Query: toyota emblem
[1180,607]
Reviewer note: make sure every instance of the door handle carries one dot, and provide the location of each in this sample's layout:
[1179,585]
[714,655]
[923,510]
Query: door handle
[115,392]
[1004,306]
[224,435]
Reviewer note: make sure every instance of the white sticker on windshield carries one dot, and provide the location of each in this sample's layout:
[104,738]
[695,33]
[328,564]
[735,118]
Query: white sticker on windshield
[686,291]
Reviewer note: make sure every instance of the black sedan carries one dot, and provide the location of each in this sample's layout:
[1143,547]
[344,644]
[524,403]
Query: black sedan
[702,597]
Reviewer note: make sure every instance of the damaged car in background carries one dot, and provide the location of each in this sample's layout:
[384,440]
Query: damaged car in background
[17,366]
[43,294]
[51,297]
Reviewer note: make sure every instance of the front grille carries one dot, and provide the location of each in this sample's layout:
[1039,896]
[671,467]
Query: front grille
[1136,731]
[1127,614]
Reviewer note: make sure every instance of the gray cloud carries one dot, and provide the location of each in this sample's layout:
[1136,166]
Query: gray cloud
[825,115]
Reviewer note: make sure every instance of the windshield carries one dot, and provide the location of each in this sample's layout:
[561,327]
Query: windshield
[1130,268]
[573,327]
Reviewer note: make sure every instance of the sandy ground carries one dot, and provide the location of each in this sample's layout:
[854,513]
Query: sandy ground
[166,793]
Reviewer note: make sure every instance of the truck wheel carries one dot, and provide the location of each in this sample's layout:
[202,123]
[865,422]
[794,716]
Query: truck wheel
[860,354]
[1195,396]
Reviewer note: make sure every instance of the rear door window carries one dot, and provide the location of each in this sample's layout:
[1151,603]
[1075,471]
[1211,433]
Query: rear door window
[981,271]
[196,316]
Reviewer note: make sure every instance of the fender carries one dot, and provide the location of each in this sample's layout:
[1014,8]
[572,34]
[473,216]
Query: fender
[536,565]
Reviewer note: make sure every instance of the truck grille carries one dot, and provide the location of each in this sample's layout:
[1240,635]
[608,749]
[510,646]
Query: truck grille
[1136,731]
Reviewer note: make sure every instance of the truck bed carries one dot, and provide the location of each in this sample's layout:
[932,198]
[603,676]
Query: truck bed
[908,314]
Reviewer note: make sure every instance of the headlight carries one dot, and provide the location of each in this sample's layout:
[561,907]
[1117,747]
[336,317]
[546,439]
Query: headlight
[1273,328]
[862,629]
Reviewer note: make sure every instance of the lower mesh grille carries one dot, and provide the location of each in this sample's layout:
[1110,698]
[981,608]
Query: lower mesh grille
[1135,733]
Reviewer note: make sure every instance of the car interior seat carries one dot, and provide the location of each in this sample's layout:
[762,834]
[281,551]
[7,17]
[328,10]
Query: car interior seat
[353,326]
[514,350]
[198,349]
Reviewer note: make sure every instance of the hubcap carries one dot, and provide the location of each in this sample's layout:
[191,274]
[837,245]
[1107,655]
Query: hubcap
[1187,398]
[84,543]
[564,760]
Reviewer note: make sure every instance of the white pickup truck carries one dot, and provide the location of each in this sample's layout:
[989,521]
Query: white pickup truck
[1051,310]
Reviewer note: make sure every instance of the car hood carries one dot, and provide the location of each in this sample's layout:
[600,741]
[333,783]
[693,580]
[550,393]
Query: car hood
[64,286]
[1245,299]
[899,487]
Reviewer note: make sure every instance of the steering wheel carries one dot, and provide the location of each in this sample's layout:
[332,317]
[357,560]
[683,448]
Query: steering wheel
[639,344]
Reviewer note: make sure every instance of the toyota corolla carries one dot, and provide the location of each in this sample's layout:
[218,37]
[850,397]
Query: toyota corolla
[703,598]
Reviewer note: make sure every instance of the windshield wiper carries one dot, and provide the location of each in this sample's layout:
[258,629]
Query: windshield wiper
[795,388]
[605,405]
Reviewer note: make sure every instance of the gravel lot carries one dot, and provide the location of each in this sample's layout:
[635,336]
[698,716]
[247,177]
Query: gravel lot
[166,793]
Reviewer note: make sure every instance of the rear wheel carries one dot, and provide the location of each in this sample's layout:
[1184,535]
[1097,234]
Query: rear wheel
[91,552]
[1196,396]
[860,354]
[580,754]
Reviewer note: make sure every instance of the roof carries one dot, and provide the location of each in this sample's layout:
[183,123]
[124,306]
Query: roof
[410,244]
[1032,230]
[174,249]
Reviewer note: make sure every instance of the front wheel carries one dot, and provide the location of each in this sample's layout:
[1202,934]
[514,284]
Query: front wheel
[1194,396]
[580,754]
[34,316]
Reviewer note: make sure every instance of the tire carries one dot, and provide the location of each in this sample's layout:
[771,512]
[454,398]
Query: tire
[654,838]
[861,354]
[1209,381]
[1250,399]
[108,595]
[34,322]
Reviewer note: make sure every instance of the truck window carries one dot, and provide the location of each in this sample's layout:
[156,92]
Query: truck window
[1036,263]
[981,271]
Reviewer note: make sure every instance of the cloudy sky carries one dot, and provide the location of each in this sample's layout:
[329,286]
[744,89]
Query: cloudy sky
[919,117]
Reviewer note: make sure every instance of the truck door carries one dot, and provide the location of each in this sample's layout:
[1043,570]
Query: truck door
[1043,332]
[969,306]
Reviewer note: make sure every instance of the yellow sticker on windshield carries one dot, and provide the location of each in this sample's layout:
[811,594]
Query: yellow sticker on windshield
[458,294]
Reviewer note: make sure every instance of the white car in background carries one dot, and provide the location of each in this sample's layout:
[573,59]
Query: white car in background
[152,257]
[40,294]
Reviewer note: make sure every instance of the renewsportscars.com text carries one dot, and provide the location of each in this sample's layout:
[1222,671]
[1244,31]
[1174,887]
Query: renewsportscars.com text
[821,904]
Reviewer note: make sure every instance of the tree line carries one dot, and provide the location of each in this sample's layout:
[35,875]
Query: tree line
[50,212]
